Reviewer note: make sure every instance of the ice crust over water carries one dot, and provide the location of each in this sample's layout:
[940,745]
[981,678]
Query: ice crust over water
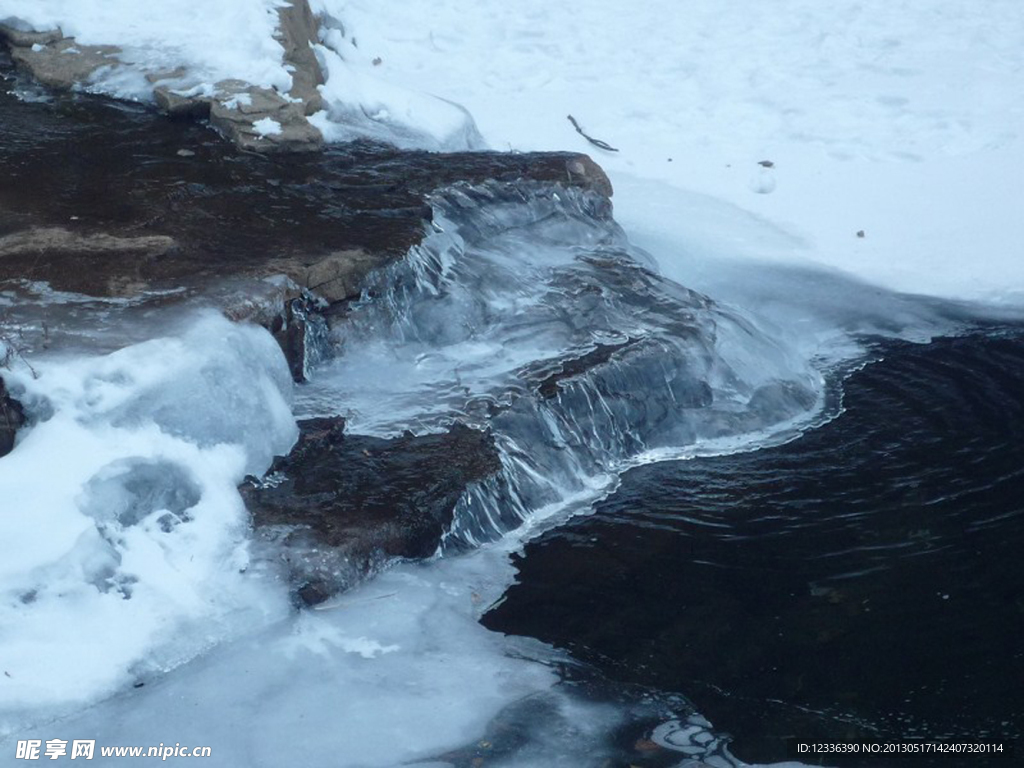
[397,672]
[125,538]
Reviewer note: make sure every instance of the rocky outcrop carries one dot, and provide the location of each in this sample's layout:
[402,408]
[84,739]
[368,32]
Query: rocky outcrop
[12,418]
[297,31]
[255,118]
[54,60]
[340,504]
[262,120]
[326,221]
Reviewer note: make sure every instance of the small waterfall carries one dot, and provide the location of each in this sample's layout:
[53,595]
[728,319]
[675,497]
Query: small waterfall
[527,312]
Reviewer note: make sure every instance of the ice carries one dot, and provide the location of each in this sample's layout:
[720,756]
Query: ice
[125,537]
[527,312]
[398,671]
[747,261]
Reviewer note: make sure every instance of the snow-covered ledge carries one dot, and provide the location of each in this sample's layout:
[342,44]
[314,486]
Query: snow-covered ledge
[271,75]
[256,116]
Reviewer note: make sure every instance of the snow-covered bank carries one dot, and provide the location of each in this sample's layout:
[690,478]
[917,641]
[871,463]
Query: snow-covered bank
[125,539]
[900,121]
[883,139]
[213,41]
[256,70]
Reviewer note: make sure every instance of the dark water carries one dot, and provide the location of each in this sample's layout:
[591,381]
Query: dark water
[863,581]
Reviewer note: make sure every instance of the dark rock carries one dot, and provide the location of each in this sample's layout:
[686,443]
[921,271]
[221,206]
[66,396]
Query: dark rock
[342,504]
[12,418]
[302,334]
[26,39]
[566,369]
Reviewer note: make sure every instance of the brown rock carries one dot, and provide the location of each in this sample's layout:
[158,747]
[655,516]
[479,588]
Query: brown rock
[64,63]
[584,172]
[97,264]
[297,30]
[237,112]
[335,277]
[178,105]
[166,74]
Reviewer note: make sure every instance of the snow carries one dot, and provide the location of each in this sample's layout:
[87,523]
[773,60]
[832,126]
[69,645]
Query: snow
[122,524]
[213,41]
[267,126]
[362,105]
[898,120]
[901,120]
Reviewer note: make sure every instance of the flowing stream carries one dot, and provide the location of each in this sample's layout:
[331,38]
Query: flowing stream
[133,608]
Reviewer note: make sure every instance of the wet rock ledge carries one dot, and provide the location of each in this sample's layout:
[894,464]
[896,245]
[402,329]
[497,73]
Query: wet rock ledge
[110,199]
[115,200]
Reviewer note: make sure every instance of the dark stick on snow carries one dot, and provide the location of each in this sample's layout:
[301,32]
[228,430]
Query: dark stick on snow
[596,142]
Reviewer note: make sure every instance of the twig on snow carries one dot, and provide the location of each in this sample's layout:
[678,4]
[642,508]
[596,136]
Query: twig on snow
[596,142]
